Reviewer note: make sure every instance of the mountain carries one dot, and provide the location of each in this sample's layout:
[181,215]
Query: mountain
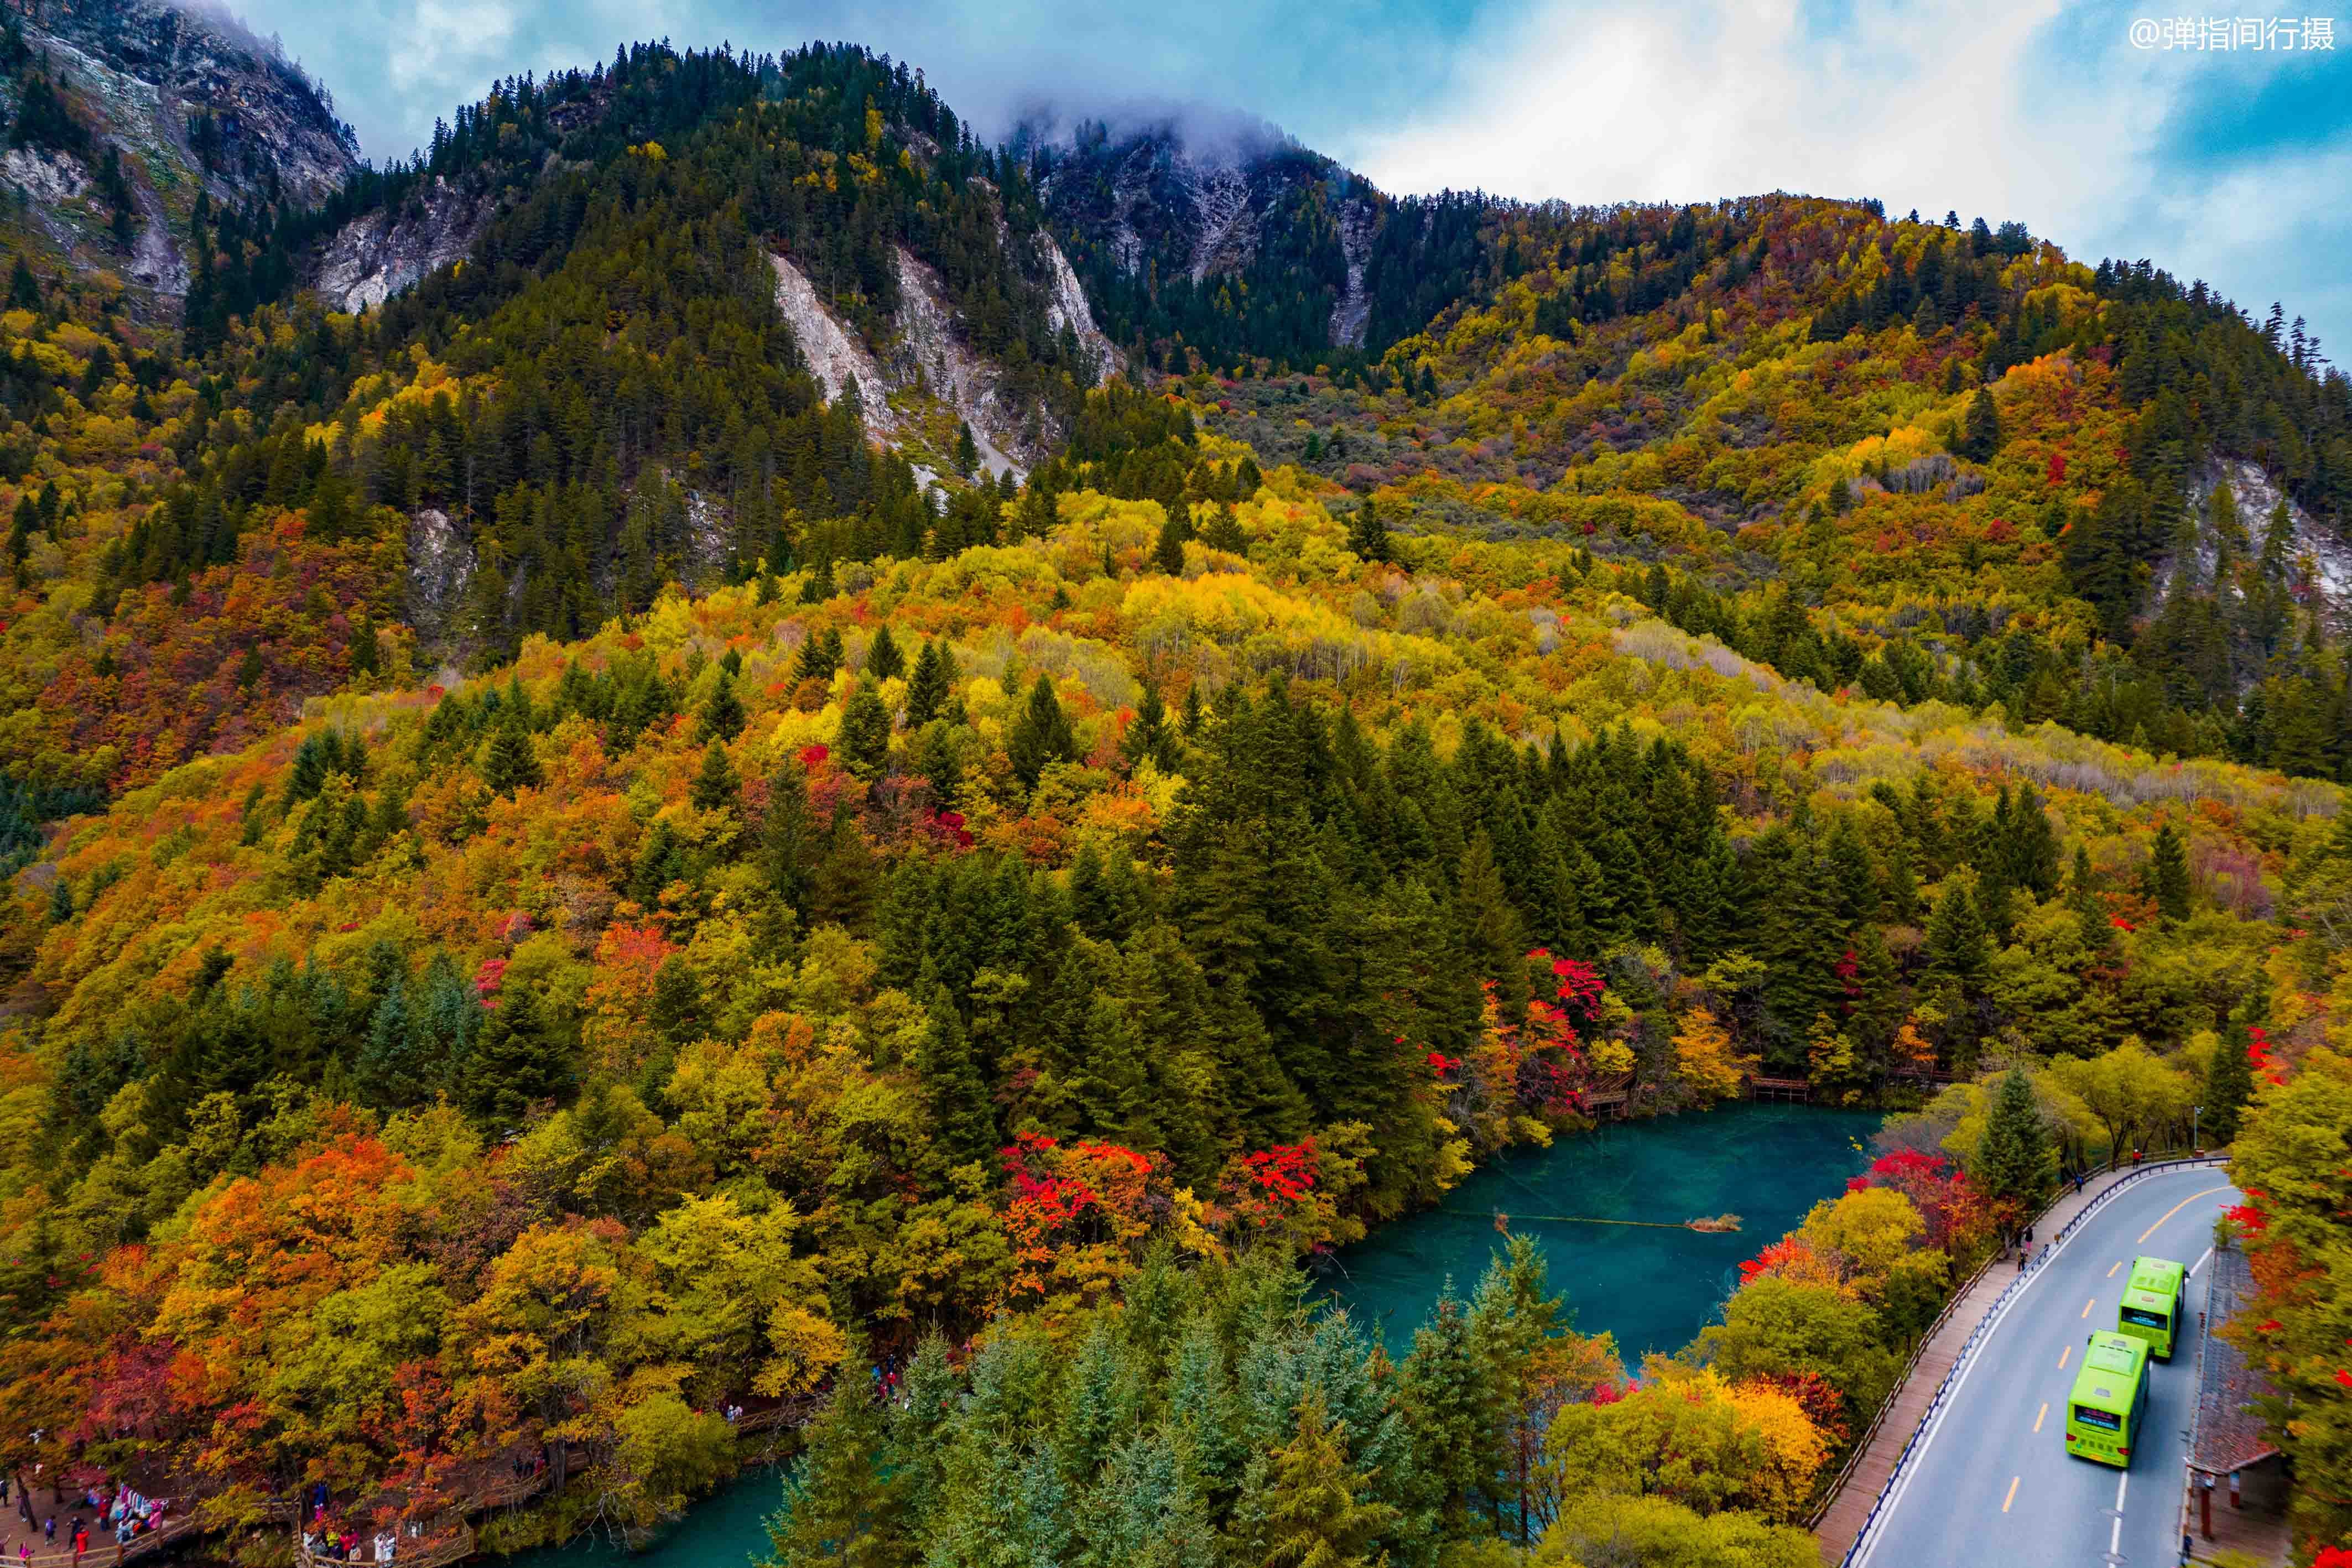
[712,735]
[1226,239]
[122,112]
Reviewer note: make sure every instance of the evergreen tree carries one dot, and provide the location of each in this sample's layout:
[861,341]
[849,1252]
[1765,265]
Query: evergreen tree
[1149,734]
[952,1087]
[1042,735]
[1316,1514]
[676,1011]
[2015,1163]
[819,657]
[1368,532]
[2229,1075]
[865,737]
[842,1505]
[1449,1400]
[884,661]
[659,862]
[61,901]
[1224,532]
[722,717]
[516,1063]
[939,760]
[1957,943]
[1168,554]
[510,764]
[391,1070]
[1981,438]
[929,686]
[717,784]
[789,849]
[2168,874]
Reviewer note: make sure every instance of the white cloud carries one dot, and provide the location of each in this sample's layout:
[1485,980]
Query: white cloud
[1919,103]
[2029,111]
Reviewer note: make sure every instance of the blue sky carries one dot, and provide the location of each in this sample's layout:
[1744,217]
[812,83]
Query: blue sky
[2234,167]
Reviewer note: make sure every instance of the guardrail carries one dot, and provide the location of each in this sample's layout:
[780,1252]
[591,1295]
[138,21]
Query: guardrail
[2132,1177]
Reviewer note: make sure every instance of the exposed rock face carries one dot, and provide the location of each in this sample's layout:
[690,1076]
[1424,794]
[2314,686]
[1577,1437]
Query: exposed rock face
[914,388]
[137,73]
[377,254]
[191,58]
[1066,306]
[835,357]
[928,352]
[2319,559]
[440,567]
[1354,312]
[1166,196]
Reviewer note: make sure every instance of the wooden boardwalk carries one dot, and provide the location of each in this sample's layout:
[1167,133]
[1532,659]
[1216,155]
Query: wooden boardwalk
[1857,1489]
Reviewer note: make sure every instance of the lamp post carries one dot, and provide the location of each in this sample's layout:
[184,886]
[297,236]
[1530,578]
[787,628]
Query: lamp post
[2194,1112]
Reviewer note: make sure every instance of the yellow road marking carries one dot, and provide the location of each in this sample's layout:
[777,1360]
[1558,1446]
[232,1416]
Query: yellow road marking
[2062,1356]
[2012,1495]
[2177,1207]
[2038,1414]
[2089,1305]
[2119,1263]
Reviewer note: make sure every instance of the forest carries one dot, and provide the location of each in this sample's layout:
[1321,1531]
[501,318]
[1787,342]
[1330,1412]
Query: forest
[938,959]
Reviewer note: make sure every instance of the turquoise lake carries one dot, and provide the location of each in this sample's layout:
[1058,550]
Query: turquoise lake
[1654,1286]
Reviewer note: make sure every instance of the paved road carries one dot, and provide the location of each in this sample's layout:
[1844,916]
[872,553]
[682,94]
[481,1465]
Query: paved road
[1992,1483]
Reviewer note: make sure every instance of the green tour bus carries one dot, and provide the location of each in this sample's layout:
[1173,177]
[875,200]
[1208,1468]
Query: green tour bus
[2151,1308]
[2102,1414]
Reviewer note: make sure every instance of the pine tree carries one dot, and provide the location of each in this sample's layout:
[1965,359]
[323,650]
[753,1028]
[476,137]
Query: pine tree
[515,1063]
[1368,532]
[952,1087]
[2228,1084]
[2015,1164]
[1149,734]
[717,784]
[1496,942]
[1315,1513]
[2168,874]
[787,848]
[61,901]
[1447,1393]
[676,1011]
[1982,436]
[722,712]
[1224,532]
[865,737]
[1957,945]
[819,657]
[1168,554]
[928,687]
[1042,735]
[884,661]
[659,862]
[842,1505]
[510,764]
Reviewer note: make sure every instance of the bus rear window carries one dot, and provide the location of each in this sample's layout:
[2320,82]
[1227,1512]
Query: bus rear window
[2103,1420]
[2138,1319]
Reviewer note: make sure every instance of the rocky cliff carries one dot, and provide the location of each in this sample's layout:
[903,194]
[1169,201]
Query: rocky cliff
[182,100]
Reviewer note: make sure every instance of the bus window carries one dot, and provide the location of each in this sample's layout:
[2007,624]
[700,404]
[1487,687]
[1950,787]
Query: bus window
[2138,1319]
[2104,1420]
